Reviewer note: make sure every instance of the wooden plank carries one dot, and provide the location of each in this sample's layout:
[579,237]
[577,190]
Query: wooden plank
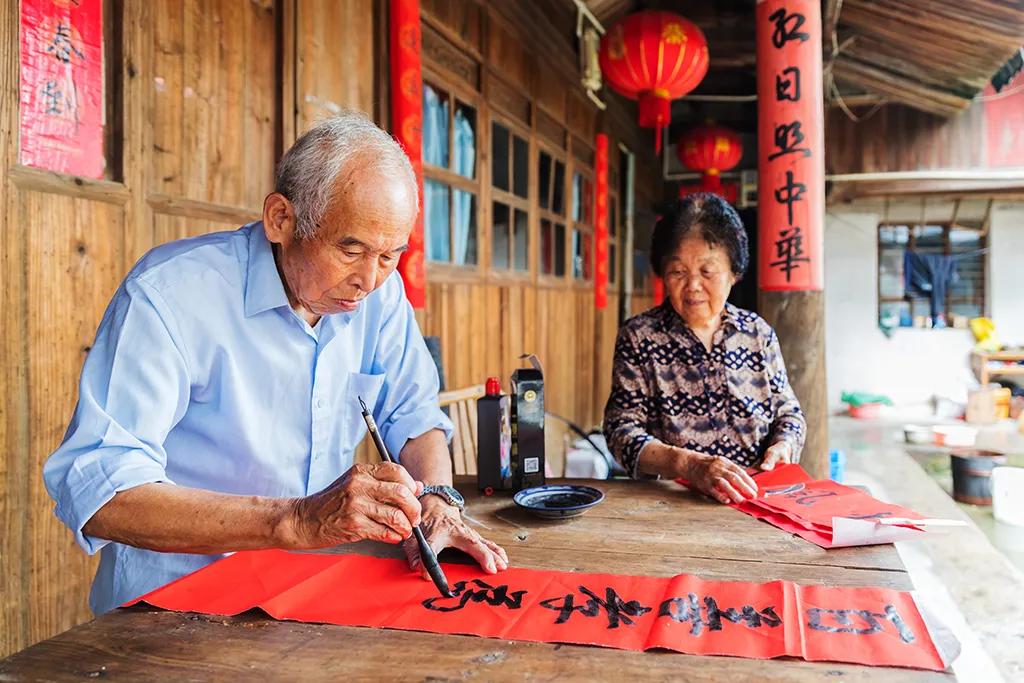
[40,180]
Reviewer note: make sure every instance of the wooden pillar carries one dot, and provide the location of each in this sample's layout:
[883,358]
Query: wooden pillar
[791,203]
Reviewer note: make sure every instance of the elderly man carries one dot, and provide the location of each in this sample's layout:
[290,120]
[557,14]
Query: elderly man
[218,405]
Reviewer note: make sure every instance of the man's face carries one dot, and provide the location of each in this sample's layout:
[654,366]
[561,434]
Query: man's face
[362,234]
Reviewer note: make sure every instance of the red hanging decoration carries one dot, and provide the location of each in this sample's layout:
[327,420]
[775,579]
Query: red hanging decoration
[654,57]
[601,222]
[407,126]
[710,149]
[730,192]
[659,290]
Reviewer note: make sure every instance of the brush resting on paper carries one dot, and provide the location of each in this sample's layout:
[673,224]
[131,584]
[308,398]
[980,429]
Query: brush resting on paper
[430,562]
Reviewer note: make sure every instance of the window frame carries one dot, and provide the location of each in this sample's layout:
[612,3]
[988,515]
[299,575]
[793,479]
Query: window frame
[513,201]
[589,175]
[542,144]
[981,298]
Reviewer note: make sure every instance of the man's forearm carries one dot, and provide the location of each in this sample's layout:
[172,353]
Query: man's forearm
[427,458]
[171,518]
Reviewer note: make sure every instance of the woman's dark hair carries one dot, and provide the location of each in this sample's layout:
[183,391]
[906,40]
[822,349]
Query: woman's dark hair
[714,218]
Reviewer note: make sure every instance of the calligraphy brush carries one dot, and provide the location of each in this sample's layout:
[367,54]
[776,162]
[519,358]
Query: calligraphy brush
[427,555]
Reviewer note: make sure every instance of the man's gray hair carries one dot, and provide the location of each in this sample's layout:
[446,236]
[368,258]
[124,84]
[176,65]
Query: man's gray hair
[308,172]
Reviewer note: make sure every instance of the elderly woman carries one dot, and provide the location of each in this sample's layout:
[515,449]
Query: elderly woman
[699,389]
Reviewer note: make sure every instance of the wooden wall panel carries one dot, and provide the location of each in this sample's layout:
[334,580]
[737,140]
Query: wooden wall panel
[214,94]
[76,266]
[168,228]
[335,45]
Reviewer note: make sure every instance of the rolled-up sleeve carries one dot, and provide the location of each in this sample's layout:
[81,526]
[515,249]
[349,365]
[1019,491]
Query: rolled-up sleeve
[789,424]
[627,411]
[407,407]
[134,388]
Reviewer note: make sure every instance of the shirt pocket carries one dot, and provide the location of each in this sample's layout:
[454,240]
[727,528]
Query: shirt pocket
[368,388]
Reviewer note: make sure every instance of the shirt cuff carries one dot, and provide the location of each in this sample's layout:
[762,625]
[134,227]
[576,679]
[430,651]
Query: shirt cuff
[89,486]
[411,426]
[637,445]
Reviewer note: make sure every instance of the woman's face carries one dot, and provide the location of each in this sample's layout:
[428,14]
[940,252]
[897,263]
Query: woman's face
[698,278]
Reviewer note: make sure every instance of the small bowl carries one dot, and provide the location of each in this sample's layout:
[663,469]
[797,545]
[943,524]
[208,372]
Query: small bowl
[558,501]
[918,434]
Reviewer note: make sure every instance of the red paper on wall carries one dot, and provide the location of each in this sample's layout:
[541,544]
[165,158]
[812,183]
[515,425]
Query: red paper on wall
[875,626]
[62,107]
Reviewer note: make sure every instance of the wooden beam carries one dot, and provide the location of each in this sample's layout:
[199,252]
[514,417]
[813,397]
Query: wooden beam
[898,87]
[847,191]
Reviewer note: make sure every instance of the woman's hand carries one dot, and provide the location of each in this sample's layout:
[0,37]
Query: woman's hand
[779,453]
[720,478]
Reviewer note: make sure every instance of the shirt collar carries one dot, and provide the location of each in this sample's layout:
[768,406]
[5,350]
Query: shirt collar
[263,288]
[731,315]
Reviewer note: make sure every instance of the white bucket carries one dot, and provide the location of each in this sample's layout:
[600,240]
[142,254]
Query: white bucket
[1008,495]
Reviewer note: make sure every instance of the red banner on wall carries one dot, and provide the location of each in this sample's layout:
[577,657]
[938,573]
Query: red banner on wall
[1004,124]
[407,125]
[876,626]
[62,106]
[601,222]
[791,148]
[659,290]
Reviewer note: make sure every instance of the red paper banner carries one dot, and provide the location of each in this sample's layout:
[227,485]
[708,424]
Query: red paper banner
[1004,124]
[876,626]
[791,146]
[61,111]
[659,290]
[601,222]
[407,125]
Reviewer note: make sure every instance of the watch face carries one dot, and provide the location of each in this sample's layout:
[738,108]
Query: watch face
[456,496]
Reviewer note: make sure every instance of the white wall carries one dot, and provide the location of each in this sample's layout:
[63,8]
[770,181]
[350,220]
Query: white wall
[912,365]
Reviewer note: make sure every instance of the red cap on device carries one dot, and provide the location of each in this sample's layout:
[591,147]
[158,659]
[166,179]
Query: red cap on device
[493,386]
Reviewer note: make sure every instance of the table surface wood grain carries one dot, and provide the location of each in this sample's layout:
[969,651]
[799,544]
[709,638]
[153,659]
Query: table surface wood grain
[641,528]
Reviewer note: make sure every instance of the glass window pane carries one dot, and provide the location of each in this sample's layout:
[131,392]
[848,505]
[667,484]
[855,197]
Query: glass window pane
[576,210]
[613,216]
[464,224]
[499,156]
[435,126]
[641,270]
[577,255]
[930,239]
[890,272]
[893,235]
[521,166]
[547,247]
[499,236]
[558,191]
[588,256]
[588,202]
[559,250]
[465,141]
[521,239]
[435,220]
[894,314]
[612,262]
[544,179]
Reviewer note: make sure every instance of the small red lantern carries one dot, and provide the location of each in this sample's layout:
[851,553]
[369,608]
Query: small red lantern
[654,57]
[710,149]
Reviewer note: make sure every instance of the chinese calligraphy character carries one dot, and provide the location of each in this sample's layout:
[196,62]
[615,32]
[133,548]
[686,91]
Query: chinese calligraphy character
[788,137]
[787,85]
[494,596]
[688,610]
[799,492]
[843,621]
[61,46]
[789,194]
[789,252]
[617,610]
[52,98]
[787,27]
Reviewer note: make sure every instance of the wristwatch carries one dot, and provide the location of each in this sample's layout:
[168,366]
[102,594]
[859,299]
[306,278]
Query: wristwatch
[447,494]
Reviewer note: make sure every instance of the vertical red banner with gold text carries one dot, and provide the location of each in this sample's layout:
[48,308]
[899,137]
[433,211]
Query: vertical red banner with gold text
[791,146]
[407,125]
[601,222]
[62,105]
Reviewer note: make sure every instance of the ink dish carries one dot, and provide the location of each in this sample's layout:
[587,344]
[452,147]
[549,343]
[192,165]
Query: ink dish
[558,501]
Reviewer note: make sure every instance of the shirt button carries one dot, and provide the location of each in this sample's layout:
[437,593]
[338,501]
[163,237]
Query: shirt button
[319,403]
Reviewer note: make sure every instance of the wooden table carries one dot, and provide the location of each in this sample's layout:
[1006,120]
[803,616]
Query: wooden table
[646,528]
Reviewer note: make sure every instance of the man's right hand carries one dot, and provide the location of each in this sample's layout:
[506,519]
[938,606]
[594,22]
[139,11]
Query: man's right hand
[720,478]
[376,502]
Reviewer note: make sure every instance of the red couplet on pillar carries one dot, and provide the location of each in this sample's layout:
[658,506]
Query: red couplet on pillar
[659,290]
[407,125]
[791,148]
[62,86]
[601,222]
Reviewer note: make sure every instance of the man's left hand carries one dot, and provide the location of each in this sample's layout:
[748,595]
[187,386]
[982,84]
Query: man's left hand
[444,527]
[779,453]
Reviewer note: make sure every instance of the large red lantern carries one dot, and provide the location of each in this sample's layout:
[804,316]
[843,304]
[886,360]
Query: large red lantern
[710,149]
[654,57]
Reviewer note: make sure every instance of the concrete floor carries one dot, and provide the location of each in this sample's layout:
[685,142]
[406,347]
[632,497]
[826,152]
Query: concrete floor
[972,578]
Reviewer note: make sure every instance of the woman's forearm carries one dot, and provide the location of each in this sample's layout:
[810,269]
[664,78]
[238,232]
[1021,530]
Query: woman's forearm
[667,461]
[170,518]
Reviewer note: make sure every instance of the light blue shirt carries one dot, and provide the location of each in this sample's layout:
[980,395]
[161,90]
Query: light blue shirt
[203,376]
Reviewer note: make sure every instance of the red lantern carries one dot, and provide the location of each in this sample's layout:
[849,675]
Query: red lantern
[654,57]
[710,149]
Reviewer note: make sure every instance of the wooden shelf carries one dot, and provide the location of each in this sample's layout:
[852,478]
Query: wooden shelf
[988,365]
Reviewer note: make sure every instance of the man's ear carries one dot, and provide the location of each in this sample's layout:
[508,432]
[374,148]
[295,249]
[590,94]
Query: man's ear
[278,219]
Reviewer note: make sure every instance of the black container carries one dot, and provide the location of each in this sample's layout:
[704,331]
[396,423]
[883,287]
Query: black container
[972,474]
[494,439]
[527,428]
